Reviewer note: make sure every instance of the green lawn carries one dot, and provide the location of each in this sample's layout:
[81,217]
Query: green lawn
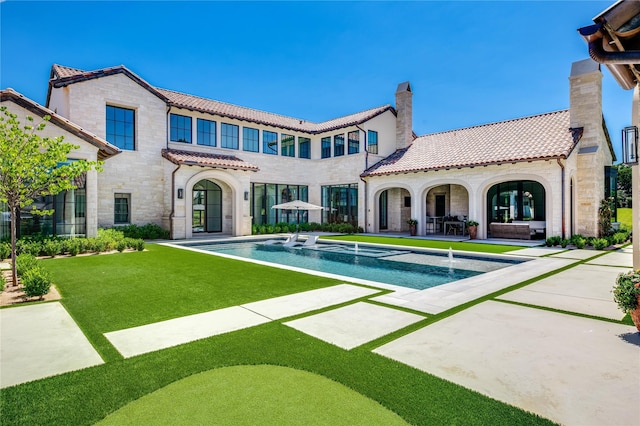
[416,242]
[624,217]
[109,292]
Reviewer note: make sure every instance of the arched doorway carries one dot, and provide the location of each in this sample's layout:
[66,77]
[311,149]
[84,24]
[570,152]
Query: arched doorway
[207,207]
[516,201]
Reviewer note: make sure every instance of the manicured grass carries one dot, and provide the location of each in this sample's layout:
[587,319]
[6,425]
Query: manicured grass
[413,242]
[624,217]
[252,395]
[109,292]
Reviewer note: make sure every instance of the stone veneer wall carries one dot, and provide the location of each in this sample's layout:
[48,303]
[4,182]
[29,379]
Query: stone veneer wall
[593,153]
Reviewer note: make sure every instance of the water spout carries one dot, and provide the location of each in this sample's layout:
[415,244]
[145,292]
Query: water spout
[356,247]
[450,255]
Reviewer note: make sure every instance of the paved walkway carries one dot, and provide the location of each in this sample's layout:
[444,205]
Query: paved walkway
[570,369]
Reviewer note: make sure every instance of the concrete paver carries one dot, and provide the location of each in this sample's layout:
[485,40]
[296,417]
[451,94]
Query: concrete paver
[354,325]
[441,298]
[616,258]
[585,289]
[152,337]
[580,254]
[299,303]
[39,341]
[569,369]
[537,251]
[160,335]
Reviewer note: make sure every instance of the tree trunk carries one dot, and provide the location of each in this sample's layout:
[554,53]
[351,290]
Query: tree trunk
[14,273]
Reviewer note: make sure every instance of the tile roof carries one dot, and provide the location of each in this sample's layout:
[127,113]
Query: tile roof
[524,139]
[207,160]
[62,76]
[105,149]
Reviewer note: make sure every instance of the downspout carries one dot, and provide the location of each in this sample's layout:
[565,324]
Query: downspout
[563,195]
[366,166]
[173,200]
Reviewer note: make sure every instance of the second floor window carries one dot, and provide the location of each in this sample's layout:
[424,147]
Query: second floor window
[372,141]
[326,147]
[269,142]
[354,142]
[121,127]
[180,128]
[288,145]
[338,145]
[229,136]
[304,147]
[206,132]
[250,139]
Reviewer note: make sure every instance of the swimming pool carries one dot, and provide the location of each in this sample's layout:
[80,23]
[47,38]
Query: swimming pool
[395,266]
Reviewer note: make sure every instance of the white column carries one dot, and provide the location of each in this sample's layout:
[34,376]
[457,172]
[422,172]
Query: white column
[635,185]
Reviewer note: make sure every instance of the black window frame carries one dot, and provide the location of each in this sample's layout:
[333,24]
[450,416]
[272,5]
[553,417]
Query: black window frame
[304,147]
[269,144]
[248,142]
[325,146]
[180,128]
[227,137]
[353,142]
[338,145]
[208,133]
[121,133]
[372,141]
[287,145]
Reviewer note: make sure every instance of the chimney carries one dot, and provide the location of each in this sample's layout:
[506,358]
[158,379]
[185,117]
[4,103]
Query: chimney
[404,120]
[585,102]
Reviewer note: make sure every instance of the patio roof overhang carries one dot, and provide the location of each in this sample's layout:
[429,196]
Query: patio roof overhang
[614,41]
[207,160]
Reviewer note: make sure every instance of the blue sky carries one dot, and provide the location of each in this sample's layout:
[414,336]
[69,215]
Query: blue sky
[468,63]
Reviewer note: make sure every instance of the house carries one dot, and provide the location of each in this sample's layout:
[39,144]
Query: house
[194,165]
[76,211]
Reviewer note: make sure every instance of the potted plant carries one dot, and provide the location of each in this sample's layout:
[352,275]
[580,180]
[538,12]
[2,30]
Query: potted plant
[413,226]
[472,226]
[626,293]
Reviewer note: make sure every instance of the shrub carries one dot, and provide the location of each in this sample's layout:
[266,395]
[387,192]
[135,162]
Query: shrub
[121,245]
[73,247]
[25,262]
[5,250]
[139,244]
[576,237]
[35,282]
[314,226]
[28,246]
[564,243]
[52,247]
[579,242]
[2,281]
[600,243]
[553,241]
[263,229]
[627,290]
[620,237]
[99,245]
[254,229]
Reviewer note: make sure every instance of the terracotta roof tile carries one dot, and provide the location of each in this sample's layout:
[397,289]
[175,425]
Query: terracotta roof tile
[207,160]
[62,76]
[524,139]
[105,149]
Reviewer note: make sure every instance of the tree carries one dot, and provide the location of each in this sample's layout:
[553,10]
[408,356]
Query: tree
[624,178]
[32,166]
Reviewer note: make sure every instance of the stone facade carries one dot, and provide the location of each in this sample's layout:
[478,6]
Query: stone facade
[573,184]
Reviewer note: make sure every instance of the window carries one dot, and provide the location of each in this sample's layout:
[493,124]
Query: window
[229,135]
[354,142]
[121,127]
[304,147]
[338,145]
[250,139]
[206,132]
[516,200]
[326,147]
[121,208]
[270,142]
[340,204]
[372,141]
[288,145]
[180,128]
[265,195]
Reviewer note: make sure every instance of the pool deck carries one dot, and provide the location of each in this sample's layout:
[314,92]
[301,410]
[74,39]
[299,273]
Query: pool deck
[553,363]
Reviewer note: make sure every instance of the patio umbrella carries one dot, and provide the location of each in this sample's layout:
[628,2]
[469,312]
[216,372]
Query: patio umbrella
[296,205]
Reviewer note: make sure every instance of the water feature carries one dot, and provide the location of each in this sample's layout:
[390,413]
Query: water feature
[406,268]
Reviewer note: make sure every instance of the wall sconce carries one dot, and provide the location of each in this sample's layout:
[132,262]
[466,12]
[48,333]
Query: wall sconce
[630,145]
[246,195]
[180,193]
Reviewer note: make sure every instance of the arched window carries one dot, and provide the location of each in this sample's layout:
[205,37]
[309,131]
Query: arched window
[207,207]
[516,200]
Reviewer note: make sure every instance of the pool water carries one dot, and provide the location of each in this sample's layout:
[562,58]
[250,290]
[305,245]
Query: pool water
[397,267]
